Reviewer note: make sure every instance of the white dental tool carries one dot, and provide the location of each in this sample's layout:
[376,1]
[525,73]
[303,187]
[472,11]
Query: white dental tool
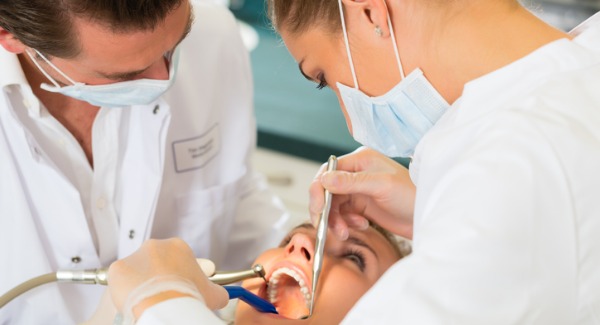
[321,236]
[99,276]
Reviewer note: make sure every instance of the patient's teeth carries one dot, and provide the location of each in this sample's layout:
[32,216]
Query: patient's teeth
[274,280]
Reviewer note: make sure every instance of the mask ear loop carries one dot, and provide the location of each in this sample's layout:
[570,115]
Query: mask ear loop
[389,20]
[347,45]
[56,84]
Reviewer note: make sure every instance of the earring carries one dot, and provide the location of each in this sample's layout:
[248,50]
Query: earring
[378,31]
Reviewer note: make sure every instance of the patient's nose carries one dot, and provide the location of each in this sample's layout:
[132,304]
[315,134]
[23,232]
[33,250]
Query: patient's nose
[302,245]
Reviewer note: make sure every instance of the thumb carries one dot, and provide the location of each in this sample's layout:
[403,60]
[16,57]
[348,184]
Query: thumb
[215,296]
[342,182]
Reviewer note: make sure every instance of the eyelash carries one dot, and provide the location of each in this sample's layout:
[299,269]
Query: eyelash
[322,83]
[357,257]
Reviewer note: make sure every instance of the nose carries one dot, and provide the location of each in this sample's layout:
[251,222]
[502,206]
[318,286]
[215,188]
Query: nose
[158,71]
[301,245]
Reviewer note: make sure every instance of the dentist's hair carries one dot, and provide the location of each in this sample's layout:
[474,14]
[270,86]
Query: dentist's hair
[48,25]
[296,17]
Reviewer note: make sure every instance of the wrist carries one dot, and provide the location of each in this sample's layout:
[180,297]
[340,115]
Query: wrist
[154,291]
[139,309]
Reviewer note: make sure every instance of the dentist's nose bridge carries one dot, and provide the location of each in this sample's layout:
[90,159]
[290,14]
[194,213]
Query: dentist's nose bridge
[158,71]
[301,244]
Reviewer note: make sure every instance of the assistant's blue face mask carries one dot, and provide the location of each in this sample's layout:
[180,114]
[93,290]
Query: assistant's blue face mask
[118,94]
[395,122]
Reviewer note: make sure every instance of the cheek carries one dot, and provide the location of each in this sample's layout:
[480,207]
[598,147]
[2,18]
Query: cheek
[344,111]
[340,291]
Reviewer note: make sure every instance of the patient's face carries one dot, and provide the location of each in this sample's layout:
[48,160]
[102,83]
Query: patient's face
[350,268]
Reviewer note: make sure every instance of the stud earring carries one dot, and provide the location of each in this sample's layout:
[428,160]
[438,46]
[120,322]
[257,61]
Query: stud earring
[378,31]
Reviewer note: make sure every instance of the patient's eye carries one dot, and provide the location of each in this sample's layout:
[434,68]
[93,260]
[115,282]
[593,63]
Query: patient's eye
[356,257]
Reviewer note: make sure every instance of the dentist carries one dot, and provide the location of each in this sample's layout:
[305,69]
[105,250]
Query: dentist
[122,121]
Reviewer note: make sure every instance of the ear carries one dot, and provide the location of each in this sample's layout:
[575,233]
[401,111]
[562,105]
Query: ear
[10,43]
[372,12]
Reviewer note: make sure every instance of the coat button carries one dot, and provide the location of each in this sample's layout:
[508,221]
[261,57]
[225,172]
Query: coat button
[131,234]
[76,259]
[156,109]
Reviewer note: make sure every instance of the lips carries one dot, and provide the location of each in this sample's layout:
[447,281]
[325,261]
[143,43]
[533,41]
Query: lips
[289,290]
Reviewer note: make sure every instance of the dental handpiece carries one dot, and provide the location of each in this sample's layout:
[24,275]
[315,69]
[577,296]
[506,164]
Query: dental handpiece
[100,276]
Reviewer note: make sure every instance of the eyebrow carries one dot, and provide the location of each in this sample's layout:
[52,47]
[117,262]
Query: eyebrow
[131,74]
[302,71]
[360,242]
[306,225]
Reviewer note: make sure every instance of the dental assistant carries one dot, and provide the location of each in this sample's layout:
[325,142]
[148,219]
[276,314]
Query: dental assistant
[122,121]
[500,113]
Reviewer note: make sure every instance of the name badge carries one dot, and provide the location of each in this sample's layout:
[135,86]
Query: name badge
[196,152]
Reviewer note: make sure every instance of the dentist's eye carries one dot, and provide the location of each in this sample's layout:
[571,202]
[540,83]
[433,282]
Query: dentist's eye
[322,83]
[357,258]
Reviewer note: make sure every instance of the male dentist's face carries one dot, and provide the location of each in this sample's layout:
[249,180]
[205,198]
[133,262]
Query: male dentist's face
[350,268]
[107,56]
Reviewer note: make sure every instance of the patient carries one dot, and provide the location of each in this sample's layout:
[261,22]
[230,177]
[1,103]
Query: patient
[350,268]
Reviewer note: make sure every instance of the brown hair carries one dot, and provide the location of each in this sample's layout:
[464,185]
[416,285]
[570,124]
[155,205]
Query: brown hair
[47,25]
[297,16]
[401,246]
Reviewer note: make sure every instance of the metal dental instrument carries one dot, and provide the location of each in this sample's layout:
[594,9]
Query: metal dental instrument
[99,276]
[232,277]
[321,236]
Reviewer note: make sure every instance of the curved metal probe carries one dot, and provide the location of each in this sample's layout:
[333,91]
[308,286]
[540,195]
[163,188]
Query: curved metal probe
[321,236]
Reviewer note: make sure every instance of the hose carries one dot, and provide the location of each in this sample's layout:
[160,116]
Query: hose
[26,286]
[96,276]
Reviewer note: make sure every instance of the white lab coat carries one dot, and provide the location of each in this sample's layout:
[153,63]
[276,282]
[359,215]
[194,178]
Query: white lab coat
[507,215]
[178,167]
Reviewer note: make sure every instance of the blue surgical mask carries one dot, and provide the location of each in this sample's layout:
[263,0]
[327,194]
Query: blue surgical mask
[395,122]
[118,94]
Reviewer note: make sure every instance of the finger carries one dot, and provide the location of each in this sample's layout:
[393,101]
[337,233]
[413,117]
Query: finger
[360,159]
[341,182]
[337,224]
[208,267]
[356,221]
[316,199]
[215,296]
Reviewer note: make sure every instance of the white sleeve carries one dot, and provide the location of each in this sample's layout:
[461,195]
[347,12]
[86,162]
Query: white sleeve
[180,311]
[261,222]
[494,242]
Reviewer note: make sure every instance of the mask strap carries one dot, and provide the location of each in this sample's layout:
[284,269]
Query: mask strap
[56,84]
[389,20]
[347,45]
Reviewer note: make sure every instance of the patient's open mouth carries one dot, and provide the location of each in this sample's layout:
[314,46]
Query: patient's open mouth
[289,292]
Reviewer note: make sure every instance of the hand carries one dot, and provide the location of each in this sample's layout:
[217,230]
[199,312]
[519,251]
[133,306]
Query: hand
[367,185]
[160,258]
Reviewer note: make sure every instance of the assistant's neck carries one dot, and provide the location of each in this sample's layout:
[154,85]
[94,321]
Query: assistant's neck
[456,43]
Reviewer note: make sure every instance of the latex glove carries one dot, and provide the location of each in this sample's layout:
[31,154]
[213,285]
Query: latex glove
[367,185]
[105,312]
[156,258]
